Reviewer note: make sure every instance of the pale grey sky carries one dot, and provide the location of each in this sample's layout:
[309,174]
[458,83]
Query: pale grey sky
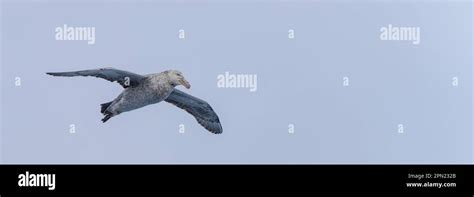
[299,82]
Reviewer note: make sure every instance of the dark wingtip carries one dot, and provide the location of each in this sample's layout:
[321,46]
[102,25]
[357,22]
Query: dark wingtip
[220,129]
[52,74]
[216,130]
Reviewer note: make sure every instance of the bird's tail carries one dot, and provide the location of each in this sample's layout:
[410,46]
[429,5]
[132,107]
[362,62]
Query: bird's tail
[104,106]
[103,110]
[107,117]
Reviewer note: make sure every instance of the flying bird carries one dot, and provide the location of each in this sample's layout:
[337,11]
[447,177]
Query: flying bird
[142,90]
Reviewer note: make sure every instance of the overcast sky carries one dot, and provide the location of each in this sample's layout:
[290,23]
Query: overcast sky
[392,84]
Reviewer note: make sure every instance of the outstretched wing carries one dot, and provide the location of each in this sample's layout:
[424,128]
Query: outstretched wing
[200,109]
[124,78]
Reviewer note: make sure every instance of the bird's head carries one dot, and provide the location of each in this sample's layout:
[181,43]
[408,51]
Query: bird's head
[176,78]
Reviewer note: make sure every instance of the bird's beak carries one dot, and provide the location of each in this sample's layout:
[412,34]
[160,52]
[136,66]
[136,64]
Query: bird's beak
[185,83]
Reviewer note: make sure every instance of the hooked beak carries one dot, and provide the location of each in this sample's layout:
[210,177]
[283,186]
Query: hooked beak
[185,83]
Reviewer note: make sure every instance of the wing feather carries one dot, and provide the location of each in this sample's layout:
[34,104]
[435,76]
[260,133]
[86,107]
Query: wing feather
[124,78]
[200,109]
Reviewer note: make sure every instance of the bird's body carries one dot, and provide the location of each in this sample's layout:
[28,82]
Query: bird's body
[153,89]
[143,90]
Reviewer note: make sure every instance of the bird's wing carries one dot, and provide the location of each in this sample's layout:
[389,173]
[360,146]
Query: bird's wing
[200,109]
[124,78]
